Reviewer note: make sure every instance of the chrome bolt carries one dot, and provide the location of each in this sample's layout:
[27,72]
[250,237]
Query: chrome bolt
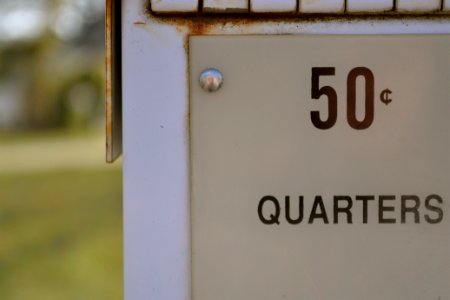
[211,80]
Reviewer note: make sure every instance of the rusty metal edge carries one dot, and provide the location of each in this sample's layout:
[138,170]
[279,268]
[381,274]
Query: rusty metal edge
[202,19]
[113,84]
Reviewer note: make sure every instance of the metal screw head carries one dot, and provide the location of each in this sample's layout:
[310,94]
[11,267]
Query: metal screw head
[211,80]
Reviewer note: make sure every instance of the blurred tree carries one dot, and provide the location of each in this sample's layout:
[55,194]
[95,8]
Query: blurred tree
[58,68]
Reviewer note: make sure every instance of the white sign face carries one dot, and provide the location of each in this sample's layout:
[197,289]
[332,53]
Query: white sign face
[321,168]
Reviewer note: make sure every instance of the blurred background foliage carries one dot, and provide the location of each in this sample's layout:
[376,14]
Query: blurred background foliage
[60,204]
[51,63]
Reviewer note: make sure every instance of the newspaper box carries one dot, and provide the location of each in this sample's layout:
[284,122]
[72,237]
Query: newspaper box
[282,149]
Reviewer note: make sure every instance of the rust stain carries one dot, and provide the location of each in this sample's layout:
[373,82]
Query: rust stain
[204,23]
[200,21]
[195,27]
[137,23]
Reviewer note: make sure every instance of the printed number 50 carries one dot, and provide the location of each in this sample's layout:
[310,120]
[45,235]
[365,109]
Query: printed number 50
[330,93]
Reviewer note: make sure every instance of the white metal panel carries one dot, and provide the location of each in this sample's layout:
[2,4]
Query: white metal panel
[174,5]
[369,5]
[322,6]
[225,5]
[155,159]
[273,6]
[418,5]
[259,125]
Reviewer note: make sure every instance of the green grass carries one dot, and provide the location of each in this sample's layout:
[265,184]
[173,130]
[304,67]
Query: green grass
[61,235]
[57,133]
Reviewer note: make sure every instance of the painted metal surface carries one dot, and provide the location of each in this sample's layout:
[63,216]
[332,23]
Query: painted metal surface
[156,132]
[155,158]
[273,6]
[419,5]
[225,6]
[174,5]
[255,140]
[370,5]
[322,6]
